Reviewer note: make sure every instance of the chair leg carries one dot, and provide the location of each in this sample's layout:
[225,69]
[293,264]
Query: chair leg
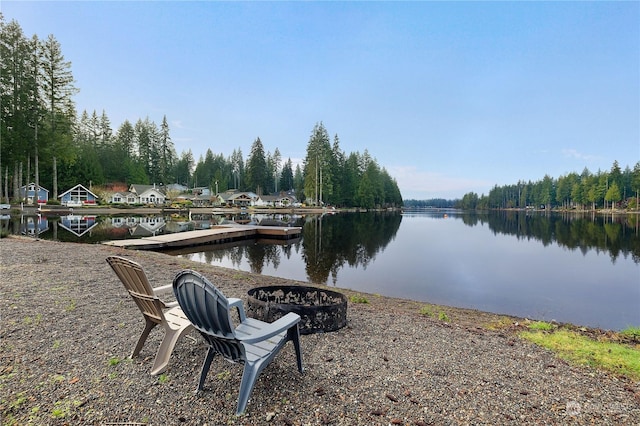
[166,349]
[205,367]
[249,377]
[143,337]
[294,335]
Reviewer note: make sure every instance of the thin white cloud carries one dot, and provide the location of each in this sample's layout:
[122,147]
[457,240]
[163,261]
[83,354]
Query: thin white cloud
[572,153]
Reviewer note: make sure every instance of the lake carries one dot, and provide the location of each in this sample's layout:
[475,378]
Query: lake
[582,269]
[569,269]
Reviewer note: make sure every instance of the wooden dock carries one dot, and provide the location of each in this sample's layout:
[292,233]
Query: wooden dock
[217,234]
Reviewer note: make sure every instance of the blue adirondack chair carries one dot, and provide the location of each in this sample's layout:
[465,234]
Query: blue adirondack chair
[252,342]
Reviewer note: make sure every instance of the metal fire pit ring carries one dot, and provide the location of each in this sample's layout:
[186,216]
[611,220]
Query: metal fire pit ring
[320,310]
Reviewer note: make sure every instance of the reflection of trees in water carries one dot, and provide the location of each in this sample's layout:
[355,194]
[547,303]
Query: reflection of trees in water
[258,255]
[261,255]
[615,235]
[330,242]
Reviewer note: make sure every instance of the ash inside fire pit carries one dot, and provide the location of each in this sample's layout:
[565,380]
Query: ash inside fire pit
[320,310]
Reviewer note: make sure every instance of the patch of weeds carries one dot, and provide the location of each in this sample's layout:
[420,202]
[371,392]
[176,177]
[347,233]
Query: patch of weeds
[56,344]
[499,323]
[57,378]
[71,306]
[34,415]
[62,409]
[9,420]
[540,326]
[239,277]
[578,349]
[426,311]
[58,413]
[113,361]
[442,316]
[20,399]
[35,321]
[358,299]
[112,375]
[631,333]
[224,375]
[163,378]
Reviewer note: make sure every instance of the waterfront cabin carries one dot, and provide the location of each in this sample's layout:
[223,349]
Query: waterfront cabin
[31,194]
[122,198]
[242,199]
[148,194]
[280,200]
[78,196]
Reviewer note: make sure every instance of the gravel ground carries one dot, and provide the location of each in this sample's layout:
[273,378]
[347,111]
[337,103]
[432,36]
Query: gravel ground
[68,326]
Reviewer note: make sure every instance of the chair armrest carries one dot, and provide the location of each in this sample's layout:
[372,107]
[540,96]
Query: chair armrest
[162,289]
[157,291]
[270,330]
[237,303]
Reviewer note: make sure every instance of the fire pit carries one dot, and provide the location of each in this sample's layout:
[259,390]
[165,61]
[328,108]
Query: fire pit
[320,310]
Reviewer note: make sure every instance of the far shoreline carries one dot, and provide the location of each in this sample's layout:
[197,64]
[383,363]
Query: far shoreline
[119,210]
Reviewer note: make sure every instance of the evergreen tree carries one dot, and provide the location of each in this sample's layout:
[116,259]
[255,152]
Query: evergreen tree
[58,89]
[20,98]
[167,153]
[183,168]
[276,161]
[105,130]
[298,182]
[635,183]
[613,194]
[615,176]
[237,169]
[286,177]
[257,168]
[350,178]
[337,169]
[317,174]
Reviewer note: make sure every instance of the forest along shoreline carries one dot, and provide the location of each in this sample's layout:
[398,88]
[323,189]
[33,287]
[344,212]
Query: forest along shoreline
[112,210]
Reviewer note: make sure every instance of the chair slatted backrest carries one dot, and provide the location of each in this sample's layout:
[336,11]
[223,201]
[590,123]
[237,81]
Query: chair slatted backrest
[208,310]
[135,281]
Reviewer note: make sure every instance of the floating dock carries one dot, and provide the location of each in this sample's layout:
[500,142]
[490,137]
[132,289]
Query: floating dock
[217,234]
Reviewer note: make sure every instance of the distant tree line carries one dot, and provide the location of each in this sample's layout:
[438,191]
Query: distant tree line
[582,232]
[438,203]
[42,140]
[584,191]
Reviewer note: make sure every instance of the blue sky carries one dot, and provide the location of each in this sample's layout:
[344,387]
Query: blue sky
[449,97]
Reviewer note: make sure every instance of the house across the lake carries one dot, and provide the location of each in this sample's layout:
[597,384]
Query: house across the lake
[139,194]
[31,194]
[78,196]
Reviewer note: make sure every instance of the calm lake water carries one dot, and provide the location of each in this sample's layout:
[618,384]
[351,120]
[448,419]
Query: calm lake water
[581,269]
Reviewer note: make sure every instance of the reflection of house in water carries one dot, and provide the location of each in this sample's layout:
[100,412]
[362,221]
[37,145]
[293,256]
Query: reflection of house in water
[146,226]
[78,225]
[173,227]
[34,225]
[136,226]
